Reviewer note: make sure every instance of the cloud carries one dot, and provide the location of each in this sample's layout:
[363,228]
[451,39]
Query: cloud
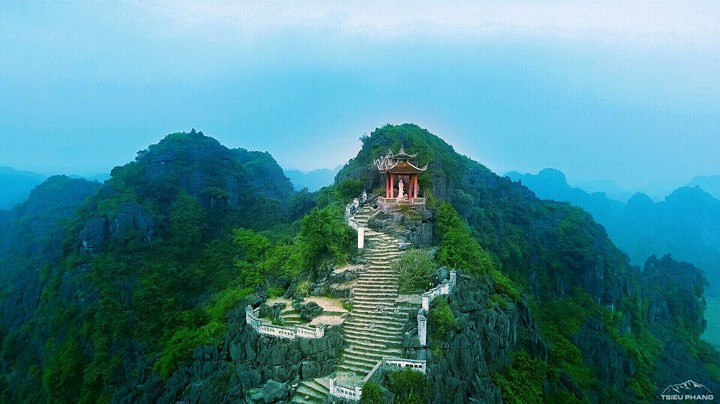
[696,23]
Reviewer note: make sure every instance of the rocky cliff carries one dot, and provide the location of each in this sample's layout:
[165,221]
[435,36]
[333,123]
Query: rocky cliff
[237,369]
[488,330]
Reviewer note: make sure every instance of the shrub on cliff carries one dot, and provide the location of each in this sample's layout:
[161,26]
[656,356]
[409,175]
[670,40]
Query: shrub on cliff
[415,270]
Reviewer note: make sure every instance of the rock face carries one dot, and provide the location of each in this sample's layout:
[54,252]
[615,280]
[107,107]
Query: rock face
[674,291]
[413,228]
[310,311]
[129,218]
[485,337]
[32,236]
[245,360]
[201,166]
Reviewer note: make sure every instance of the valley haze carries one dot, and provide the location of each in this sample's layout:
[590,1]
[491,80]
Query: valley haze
[316,202]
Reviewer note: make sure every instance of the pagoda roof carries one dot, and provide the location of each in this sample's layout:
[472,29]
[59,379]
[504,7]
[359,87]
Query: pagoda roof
[399,163]
[402,155]
[405,167]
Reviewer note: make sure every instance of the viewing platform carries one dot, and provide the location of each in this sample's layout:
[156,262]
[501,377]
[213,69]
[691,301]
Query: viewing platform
[388,202]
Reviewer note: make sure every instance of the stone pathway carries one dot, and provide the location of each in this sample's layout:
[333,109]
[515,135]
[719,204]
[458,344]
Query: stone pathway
[375,327]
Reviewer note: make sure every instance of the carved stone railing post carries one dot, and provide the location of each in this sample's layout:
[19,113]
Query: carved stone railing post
[422,328]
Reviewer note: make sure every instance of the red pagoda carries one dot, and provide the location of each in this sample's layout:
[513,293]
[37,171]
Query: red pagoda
[401,179]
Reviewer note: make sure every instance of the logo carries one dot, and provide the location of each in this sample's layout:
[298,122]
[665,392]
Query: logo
[688,390]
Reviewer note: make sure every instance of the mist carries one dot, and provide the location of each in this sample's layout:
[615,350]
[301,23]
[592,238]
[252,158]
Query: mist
[624,98]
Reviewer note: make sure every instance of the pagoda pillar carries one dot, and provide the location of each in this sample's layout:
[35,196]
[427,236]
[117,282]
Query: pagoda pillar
[387,185]
[415,186]
[392,185]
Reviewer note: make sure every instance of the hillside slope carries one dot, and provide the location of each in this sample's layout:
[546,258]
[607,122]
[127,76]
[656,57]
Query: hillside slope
[16,186]
[144,300]
[579,285]
[685,224]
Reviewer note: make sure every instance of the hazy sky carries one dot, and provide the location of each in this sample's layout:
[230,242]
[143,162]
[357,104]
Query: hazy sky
[623,91]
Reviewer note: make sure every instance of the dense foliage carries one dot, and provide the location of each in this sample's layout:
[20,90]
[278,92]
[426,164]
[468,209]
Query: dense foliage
[686,224]
[407,386]
[187,232]
[149,268]
[579,284]
[415,269]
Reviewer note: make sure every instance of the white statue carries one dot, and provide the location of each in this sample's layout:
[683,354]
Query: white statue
[364,197]
[401,189]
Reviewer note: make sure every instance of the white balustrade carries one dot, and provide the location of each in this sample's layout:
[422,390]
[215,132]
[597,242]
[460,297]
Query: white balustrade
[444,288]
[265,327]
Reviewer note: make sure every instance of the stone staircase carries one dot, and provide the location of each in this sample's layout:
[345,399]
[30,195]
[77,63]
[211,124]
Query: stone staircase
[312,391]
[375,327]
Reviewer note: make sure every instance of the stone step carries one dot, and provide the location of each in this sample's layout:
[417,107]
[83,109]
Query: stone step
[366,318]
[359,363]
[306,391]
[321,385]
[377,299]
[365,344]
[359,371]
[379,330]
[301,400]
[379,276]
[367,356]
[394,340]
[373,292]
[388,343]
[380,286]
[375,351]
[368,361]
[374,297]
[370,283]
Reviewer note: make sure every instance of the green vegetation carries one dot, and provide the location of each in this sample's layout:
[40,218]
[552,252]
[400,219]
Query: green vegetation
[192,231]
[522,382]
[416,269]
[712,315]
[371,394]
[168,287]
[441,321]
[407,386]
[458,249]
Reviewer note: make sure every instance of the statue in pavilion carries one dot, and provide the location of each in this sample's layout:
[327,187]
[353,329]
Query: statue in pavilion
[400,167]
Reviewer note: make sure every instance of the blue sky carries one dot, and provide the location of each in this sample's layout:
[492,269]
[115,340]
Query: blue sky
[626,91]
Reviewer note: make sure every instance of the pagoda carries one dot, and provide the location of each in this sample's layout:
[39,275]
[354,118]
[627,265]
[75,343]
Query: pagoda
[401,178]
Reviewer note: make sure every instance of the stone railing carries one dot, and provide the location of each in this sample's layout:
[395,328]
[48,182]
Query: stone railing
[343,389]
[352,390]
[414,364]
[400,201]
[265,327]
[444,288]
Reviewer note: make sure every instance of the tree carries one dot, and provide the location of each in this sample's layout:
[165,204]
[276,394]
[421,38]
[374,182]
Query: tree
[324,235]
[187,222]
[415,270]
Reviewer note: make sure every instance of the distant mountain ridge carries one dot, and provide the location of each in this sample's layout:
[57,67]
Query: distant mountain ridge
[312,180]
[709,183]
[16,185]
[685,224]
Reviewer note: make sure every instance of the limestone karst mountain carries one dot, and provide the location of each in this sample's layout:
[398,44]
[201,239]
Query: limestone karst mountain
[16,185]
[146,299]
[685,224]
